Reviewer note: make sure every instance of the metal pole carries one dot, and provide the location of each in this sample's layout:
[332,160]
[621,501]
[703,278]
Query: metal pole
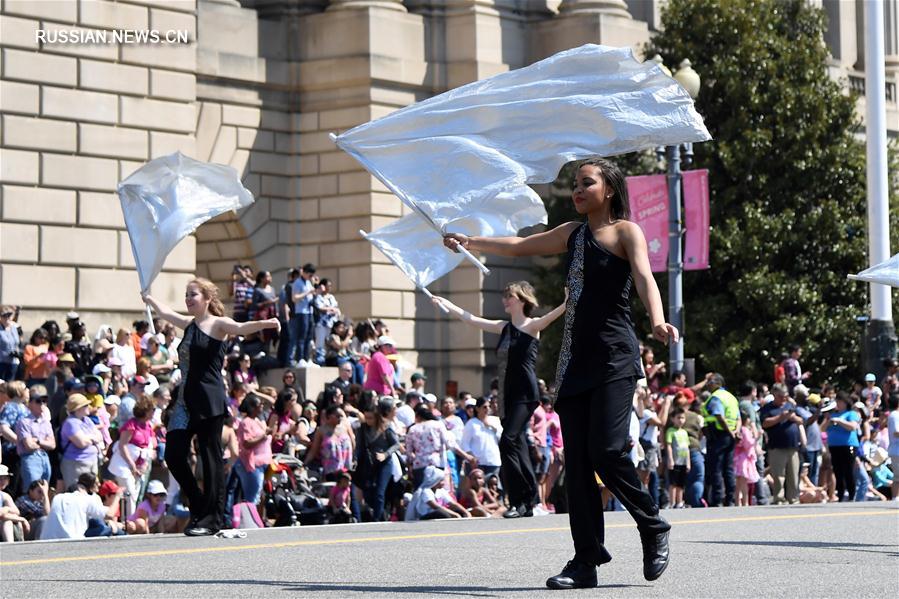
[675,258]
[881,337]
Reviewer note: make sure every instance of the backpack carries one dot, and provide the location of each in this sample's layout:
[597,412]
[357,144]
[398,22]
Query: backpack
[245,515]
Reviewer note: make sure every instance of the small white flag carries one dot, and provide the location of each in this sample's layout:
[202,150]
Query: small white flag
[167,199]
[885,273]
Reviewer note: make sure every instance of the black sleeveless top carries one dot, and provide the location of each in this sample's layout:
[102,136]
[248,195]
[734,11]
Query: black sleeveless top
[598,344]
[200,361]
[517,352]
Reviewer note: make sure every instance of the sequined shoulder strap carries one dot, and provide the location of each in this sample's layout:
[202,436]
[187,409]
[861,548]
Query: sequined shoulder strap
[575,288]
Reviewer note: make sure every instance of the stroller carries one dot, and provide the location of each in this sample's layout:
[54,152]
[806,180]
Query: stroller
[289,497]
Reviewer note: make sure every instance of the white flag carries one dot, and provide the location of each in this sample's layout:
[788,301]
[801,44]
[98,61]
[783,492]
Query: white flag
[885,273]
[450,156]
[167,199]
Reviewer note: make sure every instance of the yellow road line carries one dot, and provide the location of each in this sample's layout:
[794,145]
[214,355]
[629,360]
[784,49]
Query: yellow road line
[441,535]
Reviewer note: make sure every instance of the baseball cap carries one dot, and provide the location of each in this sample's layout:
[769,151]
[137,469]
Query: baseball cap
[108,488]
[870,378]
[385,340]
[72,315]
[75,402]
[155,487]
[471,402]
[4,471]
[115,361]
[137,380]
[113,400]
[73,385]
[144,339]
[101,368]
[430,398]
[418,376]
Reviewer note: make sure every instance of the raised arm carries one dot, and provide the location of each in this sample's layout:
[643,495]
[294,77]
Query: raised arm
[227,326]
[165,312]
[538,324]
[491,326]
[554,241]
[635,246]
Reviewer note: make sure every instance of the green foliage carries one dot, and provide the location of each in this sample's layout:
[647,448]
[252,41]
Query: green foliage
[787,183]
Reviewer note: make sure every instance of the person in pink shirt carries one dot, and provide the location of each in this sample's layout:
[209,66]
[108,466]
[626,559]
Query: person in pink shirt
[380,371]
[557,449]
[133,453]
[538,433]
[255,449]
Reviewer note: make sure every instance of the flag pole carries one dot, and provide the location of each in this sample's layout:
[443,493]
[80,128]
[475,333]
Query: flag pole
[421,288]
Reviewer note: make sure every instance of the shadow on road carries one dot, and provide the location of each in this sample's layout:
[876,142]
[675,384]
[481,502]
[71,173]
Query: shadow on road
[837,546]
[468,591]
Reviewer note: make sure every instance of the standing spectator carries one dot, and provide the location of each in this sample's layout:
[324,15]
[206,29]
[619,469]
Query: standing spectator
[376,443]
[693,424]
[10,351]
[893,449]
[807,406]
[554,430]
[137,386]
[79,347]
[679,385]
[793,374]
[11,413]
[70,512]
[241,291]
[427,443]
[890,383]
[406,412]
[481,438]
[542,449]
[654,372]
[141,327]
[327,312]
[332,444]
[340,500]
[255,449]
[37,365]
[79,440]
[264,305]
[650,422]
[780,371]
[419,381]
[161,364]
[380,371]
[721,412]
[34,439]
[781,422]
[281,422]
[133,454]
[301,325]
[744,461]
[285,311]
[842,425]
[677,446]
[124,351]
[872,394]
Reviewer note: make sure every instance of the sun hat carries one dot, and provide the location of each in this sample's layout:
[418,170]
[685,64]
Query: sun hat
[67,358]
[102,346]
[4,471]
[386,340]
[155,487]
[860,406]
[829,405]
[75,402]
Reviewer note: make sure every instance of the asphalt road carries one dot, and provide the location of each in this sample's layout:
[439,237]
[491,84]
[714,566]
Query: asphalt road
[783,552]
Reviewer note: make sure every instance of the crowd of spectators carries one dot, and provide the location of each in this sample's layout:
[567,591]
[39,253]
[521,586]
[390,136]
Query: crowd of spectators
[82,421]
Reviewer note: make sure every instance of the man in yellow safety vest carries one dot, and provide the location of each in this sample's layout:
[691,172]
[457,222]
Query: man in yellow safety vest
[721,412]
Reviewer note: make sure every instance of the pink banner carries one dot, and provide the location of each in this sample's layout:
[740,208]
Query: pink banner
[649,209]
[696,219]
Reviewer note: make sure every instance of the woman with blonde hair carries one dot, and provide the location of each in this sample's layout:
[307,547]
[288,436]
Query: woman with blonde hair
[517,352]
[199,404]
[124,351]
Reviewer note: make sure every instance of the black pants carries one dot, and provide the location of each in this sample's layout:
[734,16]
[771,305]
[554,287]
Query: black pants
[843,460]
[719,468]
[595,428]
[517,468]
[207,506]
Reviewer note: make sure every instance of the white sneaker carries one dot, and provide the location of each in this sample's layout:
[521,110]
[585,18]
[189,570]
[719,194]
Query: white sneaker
[302,364]
[313,365]
[539,511]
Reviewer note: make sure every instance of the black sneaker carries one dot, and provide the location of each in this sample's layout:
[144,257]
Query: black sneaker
[512,512]
[575,575]
[525,511]
[655,554]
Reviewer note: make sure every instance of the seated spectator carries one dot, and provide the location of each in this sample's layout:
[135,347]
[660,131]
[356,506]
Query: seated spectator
[149,517]
[79,440]
[431,501]
[13,526]
[339,500]
[70,512]
[34,505]
[338,352]
[34,439]
[332,444]
[143,371]
[344,378]
[243,373]
[477,499]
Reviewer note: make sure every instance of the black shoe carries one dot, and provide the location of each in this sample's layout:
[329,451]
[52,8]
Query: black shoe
[525,511]
[199,531]
[575,575]
[512,512]
[655,554]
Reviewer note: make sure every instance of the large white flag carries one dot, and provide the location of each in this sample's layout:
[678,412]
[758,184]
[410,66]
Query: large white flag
[885,273]
[450,156]
[167,199]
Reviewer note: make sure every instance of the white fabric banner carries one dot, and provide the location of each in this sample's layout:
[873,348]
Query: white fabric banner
[885,273]
[167,199]
[450,156]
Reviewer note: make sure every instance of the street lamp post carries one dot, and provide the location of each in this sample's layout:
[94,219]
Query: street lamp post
[690,81]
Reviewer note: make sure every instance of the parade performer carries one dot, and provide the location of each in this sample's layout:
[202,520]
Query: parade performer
[599,363]
[200,404]
[517,352]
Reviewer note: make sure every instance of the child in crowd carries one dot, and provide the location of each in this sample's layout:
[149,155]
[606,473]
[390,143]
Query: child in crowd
[150,513]
[431,501]
[744,461]
[677,444]
[339,502]
[477,499]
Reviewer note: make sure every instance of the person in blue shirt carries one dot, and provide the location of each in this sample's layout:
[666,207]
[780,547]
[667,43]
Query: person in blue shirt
[301,323]
[842,426]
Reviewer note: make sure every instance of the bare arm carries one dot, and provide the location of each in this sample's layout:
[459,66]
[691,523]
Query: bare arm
[554,241]
[635,247]
[538,324]
[165,312]
[491,326]
[224,326]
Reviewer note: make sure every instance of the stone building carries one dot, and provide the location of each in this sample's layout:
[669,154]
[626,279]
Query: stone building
[259,86]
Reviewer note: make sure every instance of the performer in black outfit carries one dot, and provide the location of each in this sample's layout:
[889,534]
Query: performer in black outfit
[599,363]
[517,352]
[199,404]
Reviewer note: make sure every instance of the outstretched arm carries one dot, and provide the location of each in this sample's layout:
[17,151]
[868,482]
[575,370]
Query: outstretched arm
[554,241]
[635,245]
[165,312]
[227,326]
[491,326]
[538,324]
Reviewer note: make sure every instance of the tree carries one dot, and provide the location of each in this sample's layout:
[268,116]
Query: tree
[787,184]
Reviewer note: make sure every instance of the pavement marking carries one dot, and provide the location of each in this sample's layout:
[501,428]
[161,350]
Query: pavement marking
[439,535]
